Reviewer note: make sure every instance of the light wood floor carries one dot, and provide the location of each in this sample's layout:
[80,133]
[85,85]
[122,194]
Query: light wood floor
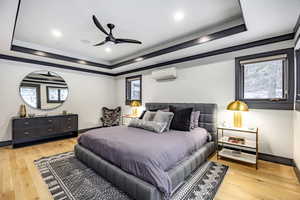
[19,179]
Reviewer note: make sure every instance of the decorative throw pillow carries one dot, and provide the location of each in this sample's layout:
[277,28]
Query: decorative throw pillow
[157,127]
[164,117]
[192,125]
[143,113]
[196,119]
[149,115]
[182,118]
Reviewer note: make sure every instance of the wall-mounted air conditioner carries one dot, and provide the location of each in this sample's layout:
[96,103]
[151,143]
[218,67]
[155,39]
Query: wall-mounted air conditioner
[164,74]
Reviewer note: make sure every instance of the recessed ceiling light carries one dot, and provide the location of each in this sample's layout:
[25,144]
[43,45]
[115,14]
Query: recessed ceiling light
[139,59]
[204,39]
[82,62]
[178,16]
[40,53]
[108,49]
[56,33]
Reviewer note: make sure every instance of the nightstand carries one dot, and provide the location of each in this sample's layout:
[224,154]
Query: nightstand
[224,143]
[128,117]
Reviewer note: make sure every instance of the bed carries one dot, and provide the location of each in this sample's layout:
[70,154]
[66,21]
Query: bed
[149,166]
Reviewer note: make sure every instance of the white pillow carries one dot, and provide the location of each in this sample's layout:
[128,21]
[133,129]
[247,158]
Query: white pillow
[157,127]
[149,115]
[164,117]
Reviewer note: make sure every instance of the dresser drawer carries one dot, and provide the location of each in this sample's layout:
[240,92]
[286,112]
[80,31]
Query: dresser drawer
[49,122]
[27,133]
[26,123]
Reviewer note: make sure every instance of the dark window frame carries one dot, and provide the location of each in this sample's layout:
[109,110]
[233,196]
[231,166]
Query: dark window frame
[38,92]
[59,100]
[128,87]
[282,104]
[297,54]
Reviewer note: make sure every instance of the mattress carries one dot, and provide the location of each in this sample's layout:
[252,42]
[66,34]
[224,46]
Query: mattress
[142,153]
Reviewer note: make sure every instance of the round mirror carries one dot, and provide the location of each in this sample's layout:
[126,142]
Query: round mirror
[44,90]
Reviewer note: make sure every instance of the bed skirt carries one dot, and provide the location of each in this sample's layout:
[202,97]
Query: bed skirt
[135,187]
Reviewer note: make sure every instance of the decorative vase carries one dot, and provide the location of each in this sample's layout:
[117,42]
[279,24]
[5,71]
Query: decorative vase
[23,111]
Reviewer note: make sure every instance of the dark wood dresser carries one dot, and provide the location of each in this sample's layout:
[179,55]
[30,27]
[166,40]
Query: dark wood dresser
[28,130]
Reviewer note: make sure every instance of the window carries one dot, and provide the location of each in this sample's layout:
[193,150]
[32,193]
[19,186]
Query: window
[265,81]
[56,94]
[31,94]
[133,89]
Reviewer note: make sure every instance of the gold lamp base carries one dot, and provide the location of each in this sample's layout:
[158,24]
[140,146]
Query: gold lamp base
[237,120]
[134,112]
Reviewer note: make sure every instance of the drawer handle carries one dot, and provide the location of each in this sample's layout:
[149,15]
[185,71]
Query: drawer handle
[26,123]
[26,133]
[49,120]
[69,119]
[69,127]
[50,129]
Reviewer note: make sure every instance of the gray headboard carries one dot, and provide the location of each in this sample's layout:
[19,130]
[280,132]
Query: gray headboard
[208,113]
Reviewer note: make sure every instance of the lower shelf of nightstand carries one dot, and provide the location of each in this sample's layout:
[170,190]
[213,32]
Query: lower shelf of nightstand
[244,157]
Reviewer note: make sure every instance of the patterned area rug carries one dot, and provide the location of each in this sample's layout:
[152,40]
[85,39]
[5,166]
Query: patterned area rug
[69,179]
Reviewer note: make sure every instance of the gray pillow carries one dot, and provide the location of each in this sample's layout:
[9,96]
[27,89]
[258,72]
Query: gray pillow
[164,117]
[157,127]
[149,115]
[196,119]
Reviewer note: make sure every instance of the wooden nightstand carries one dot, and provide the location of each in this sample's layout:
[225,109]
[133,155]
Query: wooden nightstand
[128,117]
[223,145]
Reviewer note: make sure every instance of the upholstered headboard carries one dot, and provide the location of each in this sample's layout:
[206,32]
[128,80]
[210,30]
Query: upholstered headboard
[208,113]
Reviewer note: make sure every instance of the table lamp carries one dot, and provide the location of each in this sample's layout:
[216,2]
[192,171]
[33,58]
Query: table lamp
[238,107]
[135,104]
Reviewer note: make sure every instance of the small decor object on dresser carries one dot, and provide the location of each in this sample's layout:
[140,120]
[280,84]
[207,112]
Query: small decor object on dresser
[23,112]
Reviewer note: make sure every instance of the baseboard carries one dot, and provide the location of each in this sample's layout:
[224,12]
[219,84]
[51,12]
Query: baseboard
[276,159]
[5,143]
[268,157]
[297,171]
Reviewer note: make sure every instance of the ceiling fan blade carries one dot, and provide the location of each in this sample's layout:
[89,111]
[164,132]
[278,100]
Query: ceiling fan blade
[99,44]
[97,23]
[119,40]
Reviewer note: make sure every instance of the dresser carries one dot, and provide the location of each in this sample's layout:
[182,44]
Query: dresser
[28,130]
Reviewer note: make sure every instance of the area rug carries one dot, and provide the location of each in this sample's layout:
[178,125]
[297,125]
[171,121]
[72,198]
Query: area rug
[68,178]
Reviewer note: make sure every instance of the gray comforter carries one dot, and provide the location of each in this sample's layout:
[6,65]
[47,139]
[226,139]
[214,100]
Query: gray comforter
[142,153]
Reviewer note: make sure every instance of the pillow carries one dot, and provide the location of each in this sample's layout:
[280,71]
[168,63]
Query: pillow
[192,125]
[143,113]
[164,117]
[196,119]
[182,118]
[157,127]
[149,115]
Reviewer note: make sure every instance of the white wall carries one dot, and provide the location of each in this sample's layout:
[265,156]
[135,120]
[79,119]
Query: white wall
[212,80]
[88,93]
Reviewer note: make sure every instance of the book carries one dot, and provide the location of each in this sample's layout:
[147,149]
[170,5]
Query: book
[236,140]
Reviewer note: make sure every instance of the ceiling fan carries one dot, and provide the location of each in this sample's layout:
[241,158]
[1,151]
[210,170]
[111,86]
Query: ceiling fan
[110,37]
